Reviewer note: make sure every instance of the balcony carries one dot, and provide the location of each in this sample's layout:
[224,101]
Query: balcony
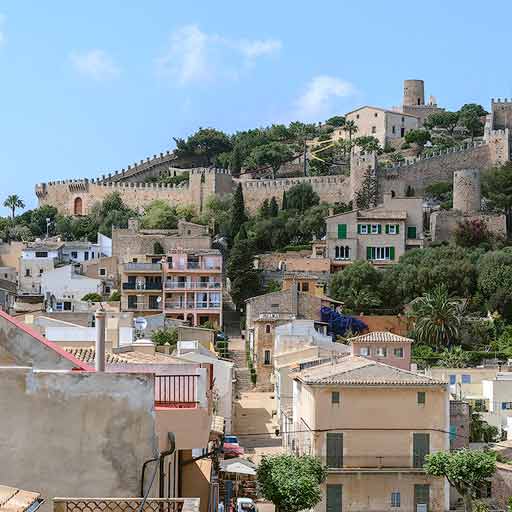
[141,306]
[172,284]
[193,266]
[192,305]
[142,286]
[142,267]
[179,391]
[125,504]
[374,463]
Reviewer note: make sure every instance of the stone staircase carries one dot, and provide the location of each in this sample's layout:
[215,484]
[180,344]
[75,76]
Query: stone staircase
[230,316]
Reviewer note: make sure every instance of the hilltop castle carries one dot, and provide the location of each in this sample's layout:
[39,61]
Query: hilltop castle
[76,197]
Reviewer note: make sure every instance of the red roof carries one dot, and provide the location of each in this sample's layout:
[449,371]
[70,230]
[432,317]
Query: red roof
[79,365]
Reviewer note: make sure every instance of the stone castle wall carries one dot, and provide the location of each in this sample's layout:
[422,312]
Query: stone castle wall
[425,171]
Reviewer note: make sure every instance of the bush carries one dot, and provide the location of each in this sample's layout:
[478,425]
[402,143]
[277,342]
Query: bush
[164,336]
[92,297]
[115,297]
[296,248]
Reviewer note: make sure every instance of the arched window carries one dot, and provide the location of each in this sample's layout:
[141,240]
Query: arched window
[393,193]
[342,252]
[78,205]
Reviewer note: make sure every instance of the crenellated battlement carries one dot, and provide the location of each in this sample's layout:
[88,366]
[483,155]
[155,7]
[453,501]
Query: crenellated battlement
[501,101]
[284,183]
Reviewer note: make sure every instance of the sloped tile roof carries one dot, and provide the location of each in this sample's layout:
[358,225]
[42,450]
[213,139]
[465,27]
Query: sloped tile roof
[16,500]
[356,370]
[88,355]
[380,337]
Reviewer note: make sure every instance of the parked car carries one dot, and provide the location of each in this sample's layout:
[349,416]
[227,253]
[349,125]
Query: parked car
[245,505]
[231,447]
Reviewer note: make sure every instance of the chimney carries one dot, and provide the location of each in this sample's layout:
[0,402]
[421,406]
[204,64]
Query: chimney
[100,340]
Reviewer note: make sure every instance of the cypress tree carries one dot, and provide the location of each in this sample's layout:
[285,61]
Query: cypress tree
[274,208]
[238,216]
[285,202]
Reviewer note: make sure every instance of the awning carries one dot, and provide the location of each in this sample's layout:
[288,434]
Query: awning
[238,465]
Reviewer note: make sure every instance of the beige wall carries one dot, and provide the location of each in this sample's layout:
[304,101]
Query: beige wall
[10,254]
[75,434]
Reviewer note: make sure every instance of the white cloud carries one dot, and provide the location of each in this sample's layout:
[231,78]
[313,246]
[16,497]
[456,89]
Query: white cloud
[194,56]
[95,64]
[317,98]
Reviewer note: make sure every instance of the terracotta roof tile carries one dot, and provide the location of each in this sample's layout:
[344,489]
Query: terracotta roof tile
[380,337]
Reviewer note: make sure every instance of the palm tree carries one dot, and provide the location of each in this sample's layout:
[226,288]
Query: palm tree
[13,201]
[437,317]
[350,127]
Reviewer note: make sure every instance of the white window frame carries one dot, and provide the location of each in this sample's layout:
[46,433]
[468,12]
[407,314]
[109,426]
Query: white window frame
[395,499]
[343,252]
[401,352]
[339,398]
[391,229]
[375,229]
[363,230]
[364,351]
[381,352]
[382,254]
[269,357]
[508,406]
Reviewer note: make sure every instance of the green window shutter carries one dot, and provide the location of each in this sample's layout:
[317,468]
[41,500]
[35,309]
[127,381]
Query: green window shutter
[398,229]
[334,450]
[379,229]
[369,253]
[387,229]
[342,231]
[359,229]
[411,232]
[391,253]
[369,228]
[420,448]
[334,498]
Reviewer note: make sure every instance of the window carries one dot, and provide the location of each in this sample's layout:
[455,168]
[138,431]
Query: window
[92,255]
[357,116]
[376,115]
[135,260]
[334,450]
[381,352]
[305,287]
[132,301]
[103,271]
[421,397]
[398,352]
[393,129]
[86,255]
[421,497]
[420,448]
[41,271]
[266,359]
[453,379]
[466,379]
[453,432]
[403,119]
[274,305]
[342,252]
[392,229]
[364,351]
[334,498]
[395,499]
[380,253]
[335,398]
[267,328]
[411,232]
[506,406]
[107,289]
[374,129]
[375,229]
[342,231]
[363,229]
[41,254]
[27,272]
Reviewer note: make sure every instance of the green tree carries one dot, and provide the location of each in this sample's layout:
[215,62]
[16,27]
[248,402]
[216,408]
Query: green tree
[115,296]
[368,144]
[481,431]
[301,197]
[497,188]
[419,137]
[466,470]
[357,286]
[159,215]
[165,335]
[445,120]
[206,144]
[92,297]
[473,233]
[237,213]
[284,205]
[350,127]
[273,207]
[366,196]
[336,121]
[273,154]
[454,357]
[470,117]
[12,202]
[217,213]
[244,279]
[291,482]
[437,317]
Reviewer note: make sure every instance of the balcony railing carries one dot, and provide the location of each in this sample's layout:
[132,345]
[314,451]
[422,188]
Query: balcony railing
[347,462]
[176,390]
[125,504]
[142,267]
[186,285]
[142,286]
[193,266]
[142,306]
[192,305]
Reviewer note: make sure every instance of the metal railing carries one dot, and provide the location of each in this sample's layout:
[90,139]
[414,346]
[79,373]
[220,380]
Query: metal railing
[173,284]
[142,267]
[142,286]
[335,463]
[192,305]
[176,390]
[120,505]
[142,306]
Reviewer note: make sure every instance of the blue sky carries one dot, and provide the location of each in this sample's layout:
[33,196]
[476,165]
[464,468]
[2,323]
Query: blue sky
[89,87]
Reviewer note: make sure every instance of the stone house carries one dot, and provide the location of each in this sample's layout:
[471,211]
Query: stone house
[266,312]
[379,235]
[372,425]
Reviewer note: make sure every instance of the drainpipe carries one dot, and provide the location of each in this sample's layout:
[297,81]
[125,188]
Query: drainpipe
[100,340]
[172,447]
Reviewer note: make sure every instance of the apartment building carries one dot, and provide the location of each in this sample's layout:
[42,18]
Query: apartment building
[379,235]
[372,425]
[184,284]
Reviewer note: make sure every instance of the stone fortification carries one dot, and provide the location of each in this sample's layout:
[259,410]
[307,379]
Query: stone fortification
[466,191]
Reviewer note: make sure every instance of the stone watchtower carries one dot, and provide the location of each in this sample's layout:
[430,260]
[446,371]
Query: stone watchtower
[466,191]
[360,164]
[414,93]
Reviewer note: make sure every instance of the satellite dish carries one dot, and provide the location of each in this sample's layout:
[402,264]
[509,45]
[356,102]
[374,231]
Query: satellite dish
[140,323]
[159,299]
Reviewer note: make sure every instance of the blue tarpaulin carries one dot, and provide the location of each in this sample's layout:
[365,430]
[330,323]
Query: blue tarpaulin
[339,324]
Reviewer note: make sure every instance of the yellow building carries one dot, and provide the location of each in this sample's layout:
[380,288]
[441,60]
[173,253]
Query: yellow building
[372,425]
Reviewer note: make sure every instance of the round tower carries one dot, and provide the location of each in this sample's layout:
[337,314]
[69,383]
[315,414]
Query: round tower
[466,191]
[414,93]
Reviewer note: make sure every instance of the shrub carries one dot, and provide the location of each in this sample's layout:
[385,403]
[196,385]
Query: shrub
[115,296]
[165,335]
[92,297]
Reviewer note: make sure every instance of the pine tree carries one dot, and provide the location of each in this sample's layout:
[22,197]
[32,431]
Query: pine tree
[265,209]
[274,208]
[238,215]
[366,196]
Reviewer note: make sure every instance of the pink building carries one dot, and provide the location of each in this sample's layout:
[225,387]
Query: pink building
[384,347]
